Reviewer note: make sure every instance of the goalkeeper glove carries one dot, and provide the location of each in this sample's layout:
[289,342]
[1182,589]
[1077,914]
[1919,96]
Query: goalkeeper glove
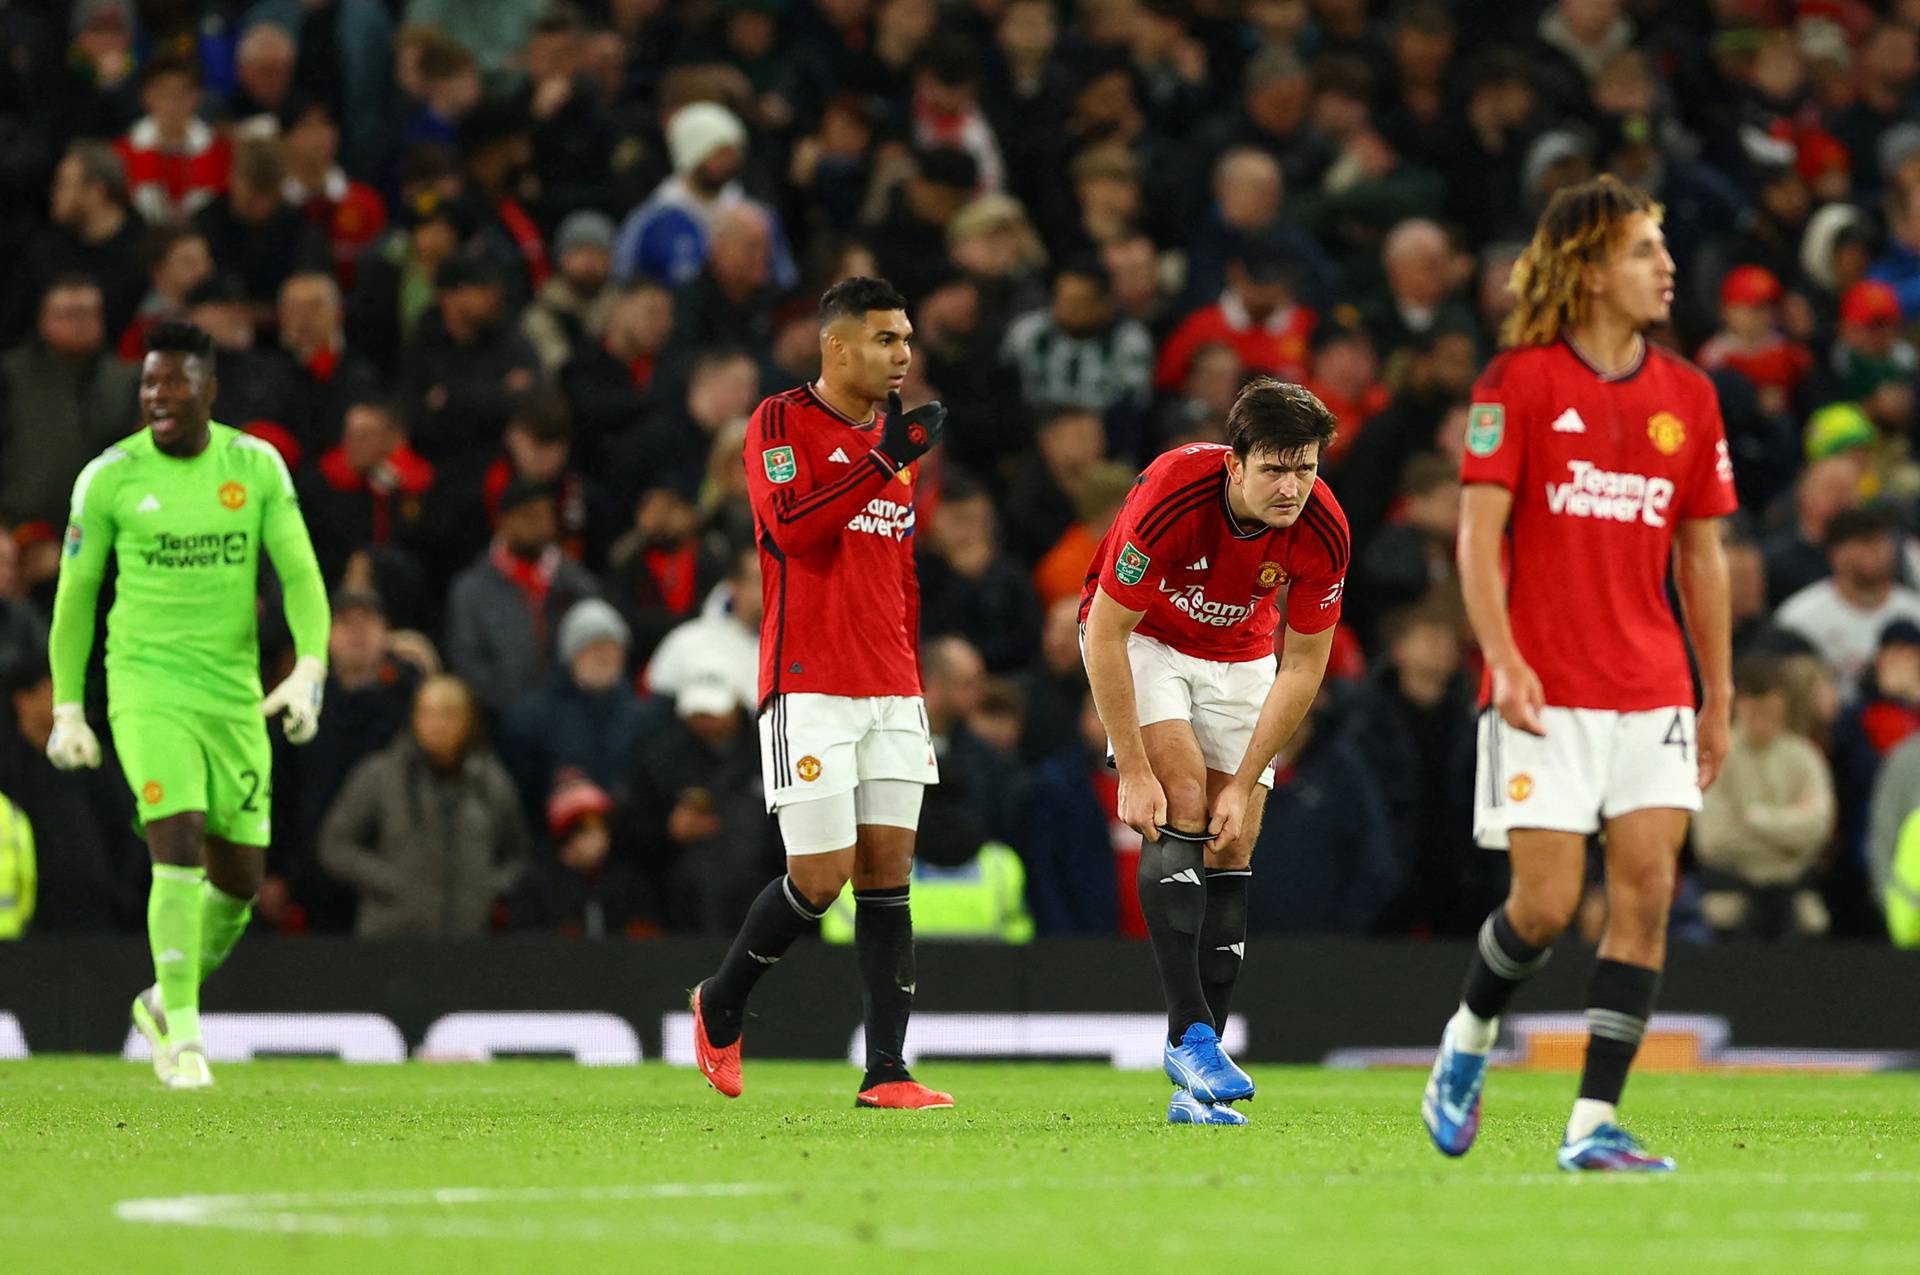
[907,436]
[300,696]
[72,743]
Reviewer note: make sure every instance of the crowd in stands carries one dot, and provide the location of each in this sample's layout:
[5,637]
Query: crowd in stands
[502,281]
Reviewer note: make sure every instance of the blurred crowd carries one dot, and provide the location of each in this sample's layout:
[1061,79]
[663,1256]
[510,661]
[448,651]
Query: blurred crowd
[502,280]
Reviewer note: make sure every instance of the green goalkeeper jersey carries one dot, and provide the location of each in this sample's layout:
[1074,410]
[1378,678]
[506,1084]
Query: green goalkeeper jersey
[186,535]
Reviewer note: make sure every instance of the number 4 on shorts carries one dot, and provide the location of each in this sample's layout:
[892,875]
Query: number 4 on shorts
[1677,735]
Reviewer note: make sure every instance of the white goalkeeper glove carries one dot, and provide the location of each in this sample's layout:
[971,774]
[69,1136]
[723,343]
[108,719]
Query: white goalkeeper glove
[299,696]
[72,743]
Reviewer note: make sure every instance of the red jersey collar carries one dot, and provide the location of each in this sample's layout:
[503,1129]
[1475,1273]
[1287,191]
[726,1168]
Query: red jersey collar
[837,413]
[1625,374]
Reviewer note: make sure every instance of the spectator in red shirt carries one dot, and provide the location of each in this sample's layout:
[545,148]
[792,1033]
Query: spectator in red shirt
[1750,341]
[176,163]
[1346,377]
[350,213]
[1257,316]
[366,490]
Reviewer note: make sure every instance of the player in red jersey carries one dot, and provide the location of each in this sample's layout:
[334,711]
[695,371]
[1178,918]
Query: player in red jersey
[1595,461]
[844,744]
[1178,620]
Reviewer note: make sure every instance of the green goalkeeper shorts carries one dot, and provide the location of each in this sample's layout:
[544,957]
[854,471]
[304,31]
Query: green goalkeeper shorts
[178,760]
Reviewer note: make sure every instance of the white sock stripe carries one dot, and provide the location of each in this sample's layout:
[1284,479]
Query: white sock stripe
[797,903]
[884,901]
[1229,872]
[179,872]
[1500,963]
[1615,1025]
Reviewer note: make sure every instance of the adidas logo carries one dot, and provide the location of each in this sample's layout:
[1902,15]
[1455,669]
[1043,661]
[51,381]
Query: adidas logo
[1197,566]
[148,506]
[764,960]
[1569,422]
[172,955]
[839,456]
[1186,876]
[1238,949]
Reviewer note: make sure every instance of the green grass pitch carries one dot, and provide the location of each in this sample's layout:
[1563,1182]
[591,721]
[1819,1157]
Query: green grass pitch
[298,1166]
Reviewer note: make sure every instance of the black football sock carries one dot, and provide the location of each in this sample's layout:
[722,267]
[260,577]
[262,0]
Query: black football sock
[778,916]
[1619,999]
[1223,938]
[1173,898]
[883,940]
[1502,962]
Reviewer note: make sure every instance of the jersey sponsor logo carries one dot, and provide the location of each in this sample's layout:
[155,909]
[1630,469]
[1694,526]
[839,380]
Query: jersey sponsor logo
[149,505]
[1131,566]
[75,538]
[839,456]
[1569,422]
[883,517]
[151,792]
[206,549]
[1333,594]
[1593,492]
[1192,600]
[808,768]
[779,464]
[232,495]
[1520,787]
[1486,425]
[1271,575]
[1723,461]
[1667,432]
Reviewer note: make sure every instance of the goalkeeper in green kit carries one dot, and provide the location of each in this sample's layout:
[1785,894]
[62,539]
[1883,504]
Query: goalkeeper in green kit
[184,507]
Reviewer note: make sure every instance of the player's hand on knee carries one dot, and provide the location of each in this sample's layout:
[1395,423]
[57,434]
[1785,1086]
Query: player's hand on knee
[907,436]
[1229,817]
[1518,695]
[299,698]
[72,743]
[1143,804]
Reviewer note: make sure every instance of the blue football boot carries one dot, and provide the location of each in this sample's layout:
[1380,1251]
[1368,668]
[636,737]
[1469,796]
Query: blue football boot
[1187,1109]
[1610,1149]
[1451,1106]
[1198,1065]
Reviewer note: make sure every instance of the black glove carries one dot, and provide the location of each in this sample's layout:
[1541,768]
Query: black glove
[907,436]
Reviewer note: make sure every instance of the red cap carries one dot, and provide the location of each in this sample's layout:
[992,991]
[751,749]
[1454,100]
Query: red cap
[1749,285]
[1819,153]
[1869,302]
[573,800]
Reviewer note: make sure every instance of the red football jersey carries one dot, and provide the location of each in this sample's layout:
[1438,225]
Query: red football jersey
[1210,587]
[1602,469]
[834,521]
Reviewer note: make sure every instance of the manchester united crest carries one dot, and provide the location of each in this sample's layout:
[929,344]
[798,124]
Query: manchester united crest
[1271,574]
[233,495]
[1667,431]
[1520,787]
[151,792]
[808,768]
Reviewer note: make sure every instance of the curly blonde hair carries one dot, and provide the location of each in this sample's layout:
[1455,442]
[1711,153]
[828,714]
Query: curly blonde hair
[1579,228]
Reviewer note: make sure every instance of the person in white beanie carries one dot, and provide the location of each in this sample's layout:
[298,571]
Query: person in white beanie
[666,238]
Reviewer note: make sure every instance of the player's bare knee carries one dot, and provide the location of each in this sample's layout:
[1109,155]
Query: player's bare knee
[179,840]
[1186,803]
[821,877]
[1540,914]
[1235,856]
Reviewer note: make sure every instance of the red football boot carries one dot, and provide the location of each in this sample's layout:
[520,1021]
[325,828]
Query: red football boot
[720,1065]
[903,1095]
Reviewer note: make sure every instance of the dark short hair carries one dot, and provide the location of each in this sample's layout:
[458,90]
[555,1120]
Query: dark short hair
[173,64]
[176,336]
[853,298]
[1870,522]
[1084,265]
[101,165]
[1757,675]
[1277,416]
[543,415]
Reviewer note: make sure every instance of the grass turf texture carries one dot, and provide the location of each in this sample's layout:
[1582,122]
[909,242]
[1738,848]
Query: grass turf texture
[1042,1168]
